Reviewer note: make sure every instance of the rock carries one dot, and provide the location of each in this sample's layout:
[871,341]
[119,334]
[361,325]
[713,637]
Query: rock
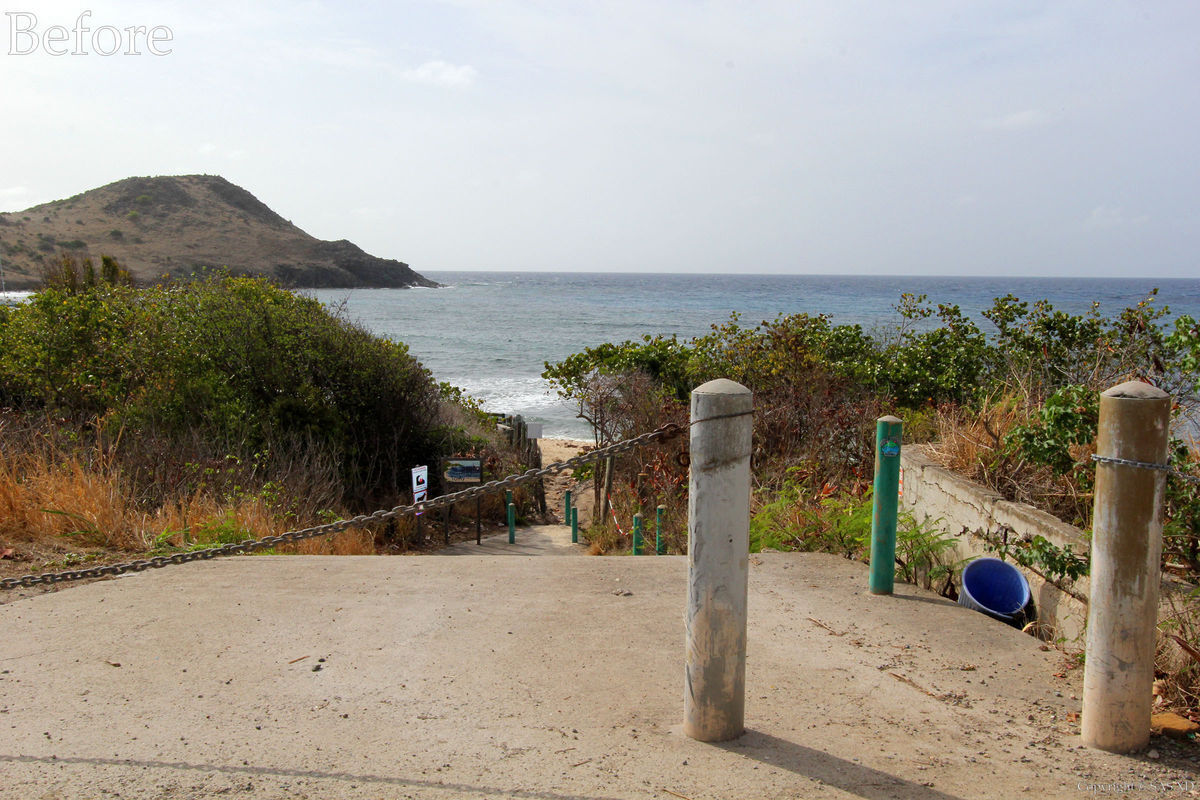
[1172,724]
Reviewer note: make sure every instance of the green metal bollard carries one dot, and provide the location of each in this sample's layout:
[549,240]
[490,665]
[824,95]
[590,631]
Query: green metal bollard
[637,534]
[883,512]
[567,508]
[575,525]
[508,497]
[512,523]
[660,547]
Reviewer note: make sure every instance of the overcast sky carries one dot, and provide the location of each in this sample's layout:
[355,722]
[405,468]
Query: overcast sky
[826,136]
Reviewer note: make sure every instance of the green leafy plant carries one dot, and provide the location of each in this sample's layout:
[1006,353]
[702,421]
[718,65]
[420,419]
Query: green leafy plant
[1038,553]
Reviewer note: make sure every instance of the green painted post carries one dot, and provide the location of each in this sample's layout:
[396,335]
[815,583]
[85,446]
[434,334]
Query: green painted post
[575,525]
[508,497]
[637,534]
[660,547]
[567,507]
[883,512]
[512,523]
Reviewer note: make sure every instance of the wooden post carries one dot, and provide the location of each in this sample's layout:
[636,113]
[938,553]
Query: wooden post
[606,492]
[718,561]
[1118,673]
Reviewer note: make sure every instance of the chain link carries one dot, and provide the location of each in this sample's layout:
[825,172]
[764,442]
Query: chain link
[663,433]
[1129,462]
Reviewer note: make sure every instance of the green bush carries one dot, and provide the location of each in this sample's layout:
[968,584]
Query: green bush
[234,360]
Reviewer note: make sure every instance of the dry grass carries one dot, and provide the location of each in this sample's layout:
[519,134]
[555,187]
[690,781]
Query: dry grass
[970,442]
[1177,660]
[62,496]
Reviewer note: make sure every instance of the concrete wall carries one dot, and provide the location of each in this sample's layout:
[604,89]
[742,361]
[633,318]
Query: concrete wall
[967,511]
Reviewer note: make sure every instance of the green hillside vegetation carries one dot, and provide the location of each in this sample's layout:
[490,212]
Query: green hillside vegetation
[1014,406]
[214,409]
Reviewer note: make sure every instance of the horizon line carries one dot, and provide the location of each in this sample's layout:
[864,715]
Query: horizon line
[425,270]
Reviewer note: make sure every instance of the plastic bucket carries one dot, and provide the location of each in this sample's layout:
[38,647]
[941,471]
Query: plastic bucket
[996,588]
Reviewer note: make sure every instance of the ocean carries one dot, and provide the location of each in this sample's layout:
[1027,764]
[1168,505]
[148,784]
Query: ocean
[491,333]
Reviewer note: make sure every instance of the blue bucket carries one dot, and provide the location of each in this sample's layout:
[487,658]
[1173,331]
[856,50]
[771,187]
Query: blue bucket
[996,588]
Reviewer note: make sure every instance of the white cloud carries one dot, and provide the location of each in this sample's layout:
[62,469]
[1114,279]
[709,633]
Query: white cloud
[441,73]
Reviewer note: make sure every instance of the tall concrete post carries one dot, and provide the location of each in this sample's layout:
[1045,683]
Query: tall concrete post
[1118,675]
[718,561]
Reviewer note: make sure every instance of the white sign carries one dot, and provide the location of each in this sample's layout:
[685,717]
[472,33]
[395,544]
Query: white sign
[420,479]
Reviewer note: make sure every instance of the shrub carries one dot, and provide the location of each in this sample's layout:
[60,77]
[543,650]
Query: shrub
[234,360]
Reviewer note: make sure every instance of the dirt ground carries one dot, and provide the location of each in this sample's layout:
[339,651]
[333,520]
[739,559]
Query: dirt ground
[554,450]
[555,678]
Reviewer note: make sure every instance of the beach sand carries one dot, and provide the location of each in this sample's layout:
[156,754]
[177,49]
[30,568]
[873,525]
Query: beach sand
[554,450]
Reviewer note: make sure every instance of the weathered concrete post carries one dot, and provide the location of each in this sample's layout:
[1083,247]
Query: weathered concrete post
[718,561]
[1118,675]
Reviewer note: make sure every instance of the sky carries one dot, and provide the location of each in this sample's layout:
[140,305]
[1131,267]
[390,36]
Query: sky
[993,137]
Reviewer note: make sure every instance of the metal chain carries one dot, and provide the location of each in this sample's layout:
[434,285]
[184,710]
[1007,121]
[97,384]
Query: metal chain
[664,433]
[1129,462]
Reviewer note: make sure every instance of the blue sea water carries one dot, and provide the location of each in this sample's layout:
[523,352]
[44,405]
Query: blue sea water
[491,333]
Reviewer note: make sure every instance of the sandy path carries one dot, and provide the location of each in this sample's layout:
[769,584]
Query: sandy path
[581,493]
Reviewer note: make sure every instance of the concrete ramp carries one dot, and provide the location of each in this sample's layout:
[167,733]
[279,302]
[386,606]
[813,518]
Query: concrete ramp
[549,678]
[537,540]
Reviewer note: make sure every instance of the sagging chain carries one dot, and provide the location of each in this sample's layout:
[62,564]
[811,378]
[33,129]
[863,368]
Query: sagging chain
[1129,462]
[663,433]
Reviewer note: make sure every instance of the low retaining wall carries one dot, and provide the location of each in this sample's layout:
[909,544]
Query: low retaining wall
[967,511]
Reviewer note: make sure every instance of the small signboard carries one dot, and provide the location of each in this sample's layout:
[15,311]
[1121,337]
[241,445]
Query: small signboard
[533,430]
[420,484]
[463,470]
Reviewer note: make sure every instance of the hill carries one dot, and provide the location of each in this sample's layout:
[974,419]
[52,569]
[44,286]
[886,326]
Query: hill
[173,226]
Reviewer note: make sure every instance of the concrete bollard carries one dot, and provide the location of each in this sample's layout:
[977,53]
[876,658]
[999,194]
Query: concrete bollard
[718,561]
[1118,674]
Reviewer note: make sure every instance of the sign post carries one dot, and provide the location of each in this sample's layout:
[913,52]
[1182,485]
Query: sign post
[464,470]
[420,489]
